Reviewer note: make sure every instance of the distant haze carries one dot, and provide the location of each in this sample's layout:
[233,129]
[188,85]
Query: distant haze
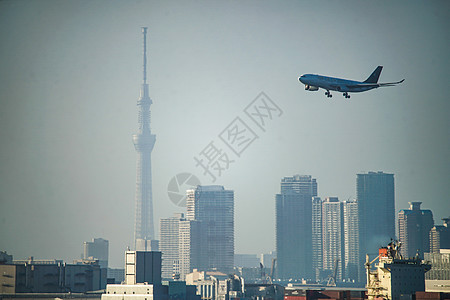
[70,74]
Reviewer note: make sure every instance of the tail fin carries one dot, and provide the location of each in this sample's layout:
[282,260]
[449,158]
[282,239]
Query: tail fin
[373,78]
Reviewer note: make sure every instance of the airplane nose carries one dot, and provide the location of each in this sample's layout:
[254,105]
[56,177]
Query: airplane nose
[300,78]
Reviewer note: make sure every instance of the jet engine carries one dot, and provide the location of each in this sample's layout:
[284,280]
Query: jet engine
[311,88]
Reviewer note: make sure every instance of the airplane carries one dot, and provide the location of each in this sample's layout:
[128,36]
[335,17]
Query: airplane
[313,82]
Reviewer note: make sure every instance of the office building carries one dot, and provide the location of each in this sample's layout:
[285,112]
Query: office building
[213,207]
[351,241]
[332,236]
[142,266]
[414,225]
[144,141]
[376,212]
[169,244]
[97,249]
[440,236]
[317,237]
[294,227]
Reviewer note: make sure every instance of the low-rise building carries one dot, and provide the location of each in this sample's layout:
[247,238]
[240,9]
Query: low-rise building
[118,275]
[80,278]
[438,278]
[136,291]
[179,290]
[5,258]
[216,285]
[265,291]
[50,276]
[32,277]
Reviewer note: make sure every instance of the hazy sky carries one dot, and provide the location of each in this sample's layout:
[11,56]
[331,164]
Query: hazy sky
[70,76]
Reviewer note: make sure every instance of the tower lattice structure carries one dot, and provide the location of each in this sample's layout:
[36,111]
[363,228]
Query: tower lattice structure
[144,141]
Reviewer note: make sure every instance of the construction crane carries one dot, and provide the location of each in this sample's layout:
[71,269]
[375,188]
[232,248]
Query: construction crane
[332,276]
[272,270]
[263,273]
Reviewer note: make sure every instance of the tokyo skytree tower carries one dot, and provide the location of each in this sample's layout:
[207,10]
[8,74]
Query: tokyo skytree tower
[144,141]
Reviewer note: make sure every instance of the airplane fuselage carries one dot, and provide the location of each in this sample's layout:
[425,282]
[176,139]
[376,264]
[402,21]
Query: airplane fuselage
[334,84]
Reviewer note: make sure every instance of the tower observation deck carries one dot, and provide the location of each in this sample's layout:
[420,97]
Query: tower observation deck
[144,141]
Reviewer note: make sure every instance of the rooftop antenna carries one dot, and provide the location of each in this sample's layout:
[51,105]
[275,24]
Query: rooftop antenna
[144,32]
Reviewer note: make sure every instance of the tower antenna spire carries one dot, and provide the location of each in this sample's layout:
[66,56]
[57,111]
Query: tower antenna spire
[144,32]
[144,141]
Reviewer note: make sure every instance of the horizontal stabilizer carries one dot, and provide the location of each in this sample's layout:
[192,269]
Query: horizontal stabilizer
[391,83]
[372,85]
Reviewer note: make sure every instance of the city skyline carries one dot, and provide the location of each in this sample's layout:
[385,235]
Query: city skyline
[71,77]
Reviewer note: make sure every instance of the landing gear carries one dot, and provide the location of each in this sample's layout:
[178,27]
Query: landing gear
[327,93]
[346,95]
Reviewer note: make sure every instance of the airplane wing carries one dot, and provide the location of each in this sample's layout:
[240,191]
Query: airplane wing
[351,87]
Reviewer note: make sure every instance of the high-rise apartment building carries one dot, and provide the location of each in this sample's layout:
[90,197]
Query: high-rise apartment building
[351,241]
[169,244]
[317,236]
[376,211]
[294,227]
[190,247]
[440,236]
[97,249]
[144,141]
[414,225]
[301,184]
[332,236]
[213,207]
